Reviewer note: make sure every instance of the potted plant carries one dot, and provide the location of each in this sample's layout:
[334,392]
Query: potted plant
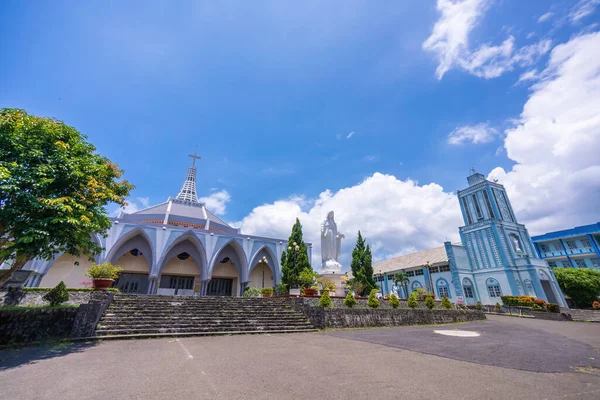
[306,279]
[267,292]
[326,286]
[311,291]
[252,292]
[103,275]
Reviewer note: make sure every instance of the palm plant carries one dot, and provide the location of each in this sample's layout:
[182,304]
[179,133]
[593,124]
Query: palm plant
[400,278]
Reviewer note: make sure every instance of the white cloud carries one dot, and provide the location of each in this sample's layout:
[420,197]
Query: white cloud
[395,216]
[546,16]
[133,205]
[217,201]
[350,135]
[556,180]
[528,76]
[370,157]
[476,134]
[582,9]
[449,41]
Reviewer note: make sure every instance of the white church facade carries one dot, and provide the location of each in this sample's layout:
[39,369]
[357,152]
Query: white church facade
[496,256]
[175,247]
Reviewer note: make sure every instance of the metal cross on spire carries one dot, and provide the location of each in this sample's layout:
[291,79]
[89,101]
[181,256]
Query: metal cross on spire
[194,158]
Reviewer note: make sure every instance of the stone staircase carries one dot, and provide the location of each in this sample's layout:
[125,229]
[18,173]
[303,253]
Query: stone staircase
[137,316]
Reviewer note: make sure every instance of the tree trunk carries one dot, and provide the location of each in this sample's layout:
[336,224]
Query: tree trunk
[17,265]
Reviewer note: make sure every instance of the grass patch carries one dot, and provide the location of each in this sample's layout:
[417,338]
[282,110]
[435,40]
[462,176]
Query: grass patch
[16,308]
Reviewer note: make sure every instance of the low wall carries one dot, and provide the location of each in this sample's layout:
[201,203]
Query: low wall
[338,302]
[32,325]
[367,317]
[551,316]
[583,315]
[28,298]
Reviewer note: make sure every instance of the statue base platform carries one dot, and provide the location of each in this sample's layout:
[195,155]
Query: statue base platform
[337,279]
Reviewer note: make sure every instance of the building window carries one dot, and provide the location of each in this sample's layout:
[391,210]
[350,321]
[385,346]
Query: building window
[468,292]
[419,272]
[571,245]
[415,285]
[444,268]
[595,262]
[443,289]
[566,264]
[580,263]
[552,264]
[543,248]
[391,277]
[477,209]
[466,206]
[493,287]
[410,273]
[585,243]
[433,270]
[488,204]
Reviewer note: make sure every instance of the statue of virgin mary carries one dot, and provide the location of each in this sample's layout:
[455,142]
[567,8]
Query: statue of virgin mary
[331,241]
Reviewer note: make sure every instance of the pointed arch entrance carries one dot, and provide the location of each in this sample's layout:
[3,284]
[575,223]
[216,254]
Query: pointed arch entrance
[263,269]
[182,268]
[134,254]
[228,271]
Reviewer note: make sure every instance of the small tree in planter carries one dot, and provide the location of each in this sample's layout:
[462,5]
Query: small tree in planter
[325,300]
[349,301]
[267,292]
[446,303]
[373,301]
[429,302]
[252,292]
[281,289]
[306,280]
[394,301]
[412,300]
[103,275]
[57,295]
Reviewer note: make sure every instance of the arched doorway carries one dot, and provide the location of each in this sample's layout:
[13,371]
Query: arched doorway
[69,269]
[181,268]
[226,275]
[134,255]
[547,287]
[262,270]
[469,291]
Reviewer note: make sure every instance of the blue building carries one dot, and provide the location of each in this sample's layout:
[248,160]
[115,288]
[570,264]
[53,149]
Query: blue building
[496,256]
[578,247]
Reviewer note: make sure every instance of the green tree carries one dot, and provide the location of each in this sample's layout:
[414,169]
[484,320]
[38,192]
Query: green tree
[402,279]
[301,257]
[362,265]
[582,285]
[394,301]
[325,300]
[373,301]
[349,301]
[446,303]
[54,189]
[412,300]
[429,302]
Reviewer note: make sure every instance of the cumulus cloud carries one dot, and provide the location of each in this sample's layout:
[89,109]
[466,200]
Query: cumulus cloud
[133,205]
[217,201]
[556,180]
[476,134]
[396,216]
[449,41]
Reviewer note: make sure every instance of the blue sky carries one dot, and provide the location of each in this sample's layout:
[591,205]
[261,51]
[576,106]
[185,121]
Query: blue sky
[269,95]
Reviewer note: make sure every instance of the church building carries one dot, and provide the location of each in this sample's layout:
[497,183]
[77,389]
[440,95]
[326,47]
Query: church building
[496,256]
[175,247]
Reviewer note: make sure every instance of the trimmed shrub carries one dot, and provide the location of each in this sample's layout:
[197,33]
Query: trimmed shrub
[325,300]
[412,301]
[551,307]
[57,295]
[538,308]
[429,302]
[281,289]
[479,306]
[582,285]
[267,291]
[596,305]
[349,301]
[104,271]
[373,301]
[394,301]
[446,303]
[251,292]
[498,308]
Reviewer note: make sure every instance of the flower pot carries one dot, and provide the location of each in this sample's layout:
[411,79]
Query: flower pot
[102,284]
[310,292]
[266,295]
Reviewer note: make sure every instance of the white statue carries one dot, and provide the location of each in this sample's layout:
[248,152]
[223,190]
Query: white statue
[331,241]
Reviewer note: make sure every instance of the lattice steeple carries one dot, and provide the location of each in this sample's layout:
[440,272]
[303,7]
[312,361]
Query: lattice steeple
[188,190]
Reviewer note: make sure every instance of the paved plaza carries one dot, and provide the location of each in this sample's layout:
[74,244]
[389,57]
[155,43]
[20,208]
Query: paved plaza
[504,362]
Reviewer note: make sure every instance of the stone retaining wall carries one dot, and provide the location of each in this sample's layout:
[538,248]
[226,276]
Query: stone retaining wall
[551,316]
[31,325]
[28,298]
[368,317]
[338,302]
[583,315]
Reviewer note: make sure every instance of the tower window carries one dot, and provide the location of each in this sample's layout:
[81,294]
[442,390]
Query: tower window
[469,220]
[488,204]
[477,209]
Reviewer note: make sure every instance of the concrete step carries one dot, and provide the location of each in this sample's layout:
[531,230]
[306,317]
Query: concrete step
[137,331]
[196,319]
[211,326]
[186,334]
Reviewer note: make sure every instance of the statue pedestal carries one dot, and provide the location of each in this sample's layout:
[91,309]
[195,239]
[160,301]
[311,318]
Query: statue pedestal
[337,279]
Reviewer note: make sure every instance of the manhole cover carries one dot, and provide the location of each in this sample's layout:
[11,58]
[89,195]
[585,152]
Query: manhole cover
[458,333]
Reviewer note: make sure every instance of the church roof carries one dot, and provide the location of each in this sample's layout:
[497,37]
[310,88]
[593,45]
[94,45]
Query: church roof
[435,256]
